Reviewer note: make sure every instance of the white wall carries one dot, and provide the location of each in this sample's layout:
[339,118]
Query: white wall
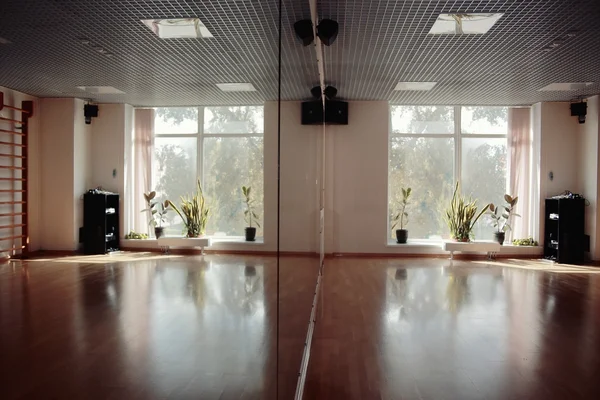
[589,168]
[299,180]
[14,99]
[356,184]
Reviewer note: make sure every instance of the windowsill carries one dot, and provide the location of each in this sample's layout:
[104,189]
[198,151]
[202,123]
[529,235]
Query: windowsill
[238,240]
[435,246]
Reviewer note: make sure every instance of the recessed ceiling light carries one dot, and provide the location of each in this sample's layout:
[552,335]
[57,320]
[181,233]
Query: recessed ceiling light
[178,28]
[236,87]
[4,41]
[463,24]
[100,89]
[415,85]
[565,86]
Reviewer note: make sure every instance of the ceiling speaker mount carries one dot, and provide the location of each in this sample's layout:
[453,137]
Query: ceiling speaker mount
[304,31]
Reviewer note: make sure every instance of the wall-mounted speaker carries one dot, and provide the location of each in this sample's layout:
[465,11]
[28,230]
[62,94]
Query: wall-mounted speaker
[579,110]
[90,111]
[336,112]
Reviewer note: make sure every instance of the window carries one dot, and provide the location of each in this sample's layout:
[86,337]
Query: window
[432,147]
[221,145]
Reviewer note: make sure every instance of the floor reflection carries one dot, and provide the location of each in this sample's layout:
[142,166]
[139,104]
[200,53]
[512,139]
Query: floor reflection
[139,327]
[428,329]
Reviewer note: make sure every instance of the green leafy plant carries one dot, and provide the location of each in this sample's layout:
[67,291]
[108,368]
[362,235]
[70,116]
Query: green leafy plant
[249,213]
[193,212]
[462,216]
[402,217]
[501,214]
[524,242]
[136,235]
[157,210]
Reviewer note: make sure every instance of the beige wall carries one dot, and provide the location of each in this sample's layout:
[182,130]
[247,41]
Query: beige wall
[82,166]
[111,143]
[559,149]
[58,199]
[589,169]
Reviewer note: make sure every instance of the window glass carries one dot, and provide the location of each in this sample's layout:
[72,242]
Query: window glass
[484,120]
[175,120]
[427,166]
[229,164]
[236,120]
[174,174]
[422,119]
[484,176]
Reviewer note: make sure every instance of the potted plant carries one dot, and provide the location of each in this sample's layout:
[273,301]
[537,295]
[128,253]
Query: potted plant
[249,215]
[157,212]
[462,215]
[402,217]
[193,212]
[501,216]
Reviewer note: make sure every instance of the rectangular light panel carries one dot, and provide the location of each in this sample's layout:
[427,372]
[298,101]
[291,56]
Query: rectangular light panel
[100,89]
[415,85]
[464,24]
[565,86]
[236,87]
[178,28]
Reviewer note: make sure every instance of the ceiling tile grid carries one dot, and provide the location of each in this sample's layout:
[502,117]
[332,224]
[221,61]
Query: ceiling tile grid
[384,42]
[380,43]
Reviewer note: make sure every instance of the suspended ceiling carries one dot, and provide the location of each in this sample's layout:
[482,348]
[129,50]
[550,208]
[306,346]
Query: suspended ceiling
[379,44]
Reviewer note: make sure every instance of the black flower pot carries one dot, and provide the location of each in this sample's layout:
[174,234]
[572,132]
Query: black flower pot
[159,231]
[401,235]
[250,234]
[499,237]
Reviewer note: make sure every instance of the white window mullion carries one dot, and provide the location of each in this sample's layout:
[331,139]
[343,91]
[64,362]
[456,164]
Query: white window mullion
[200,146]
[457,145]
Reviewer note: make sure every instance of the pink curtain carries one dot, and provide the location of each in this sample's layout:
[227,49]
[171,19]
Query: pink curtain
[519,143]
[143,149]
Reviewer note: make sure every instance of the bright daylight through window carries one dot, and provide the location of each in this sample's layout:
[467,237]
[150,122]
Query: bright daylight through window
[432,147]
[223,146]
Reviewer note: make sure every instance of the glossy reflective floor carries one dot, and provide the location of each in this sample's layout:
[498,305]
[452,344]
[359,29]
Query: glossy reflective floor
[147,326]
[428,329]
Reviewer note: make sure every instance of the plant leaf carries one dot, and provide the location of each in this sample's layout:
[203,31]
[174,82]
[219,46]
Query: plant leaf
[507,198]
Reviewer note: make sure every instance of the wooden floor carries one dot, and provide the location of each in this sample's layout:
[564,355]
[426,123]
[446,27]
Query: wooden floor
[147,326]
[429,329]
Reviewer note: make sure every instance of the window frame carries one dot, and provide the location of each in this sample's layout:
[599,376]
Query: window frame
[200,136]
[457,137]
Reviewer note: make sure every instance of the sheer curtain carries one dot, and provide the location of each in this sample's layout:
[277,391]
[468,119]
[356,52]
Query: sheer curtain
[143,143]
[520,142]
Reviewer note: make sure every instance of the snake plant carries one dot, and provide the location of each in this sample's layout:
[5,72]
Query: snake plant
[194,212]
[462,215]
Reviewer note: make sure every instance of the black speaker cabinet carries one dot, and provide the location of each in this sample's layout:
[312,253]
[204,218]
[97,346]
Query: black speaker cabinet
[312,112]
[336,112]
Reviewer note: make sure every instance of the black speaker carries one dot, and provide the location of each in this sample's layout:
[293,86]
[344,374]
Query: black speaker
[327,31]
[312,112]
[330,92]
[90,111]
[579,110]
[336,112]
[304,31]
[316,92]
